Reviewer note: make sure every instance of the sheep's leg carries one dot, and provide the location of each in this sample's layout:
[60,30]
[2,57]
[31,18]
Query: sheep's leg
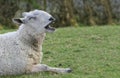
[43,67]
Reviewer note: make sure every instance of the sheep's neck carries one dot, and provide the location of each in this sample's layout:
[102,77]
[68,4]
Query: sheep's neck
[29,38]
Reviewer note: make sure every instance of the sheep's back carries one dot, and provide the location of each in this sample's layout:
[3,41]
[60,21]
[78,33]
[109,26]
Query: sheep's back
[13,58]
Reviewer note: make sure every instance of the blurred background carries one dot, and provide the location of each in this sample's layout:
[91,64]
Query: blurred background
[66,12]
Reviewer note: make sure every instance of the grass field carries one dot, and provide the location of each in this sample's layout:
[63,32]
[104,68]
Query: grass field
[92,52]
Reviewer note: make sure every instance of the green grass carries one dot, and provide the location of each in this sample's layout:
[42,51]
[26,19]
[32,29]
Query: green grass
[92,52]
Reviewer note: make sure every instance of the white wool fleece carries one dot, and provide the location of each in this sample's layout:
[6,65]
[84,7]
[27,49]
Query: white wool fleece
[19,51]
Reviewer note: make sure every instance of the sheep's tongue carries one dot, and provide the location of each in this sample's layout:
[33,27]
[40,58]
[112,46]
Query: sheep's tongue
[49,28]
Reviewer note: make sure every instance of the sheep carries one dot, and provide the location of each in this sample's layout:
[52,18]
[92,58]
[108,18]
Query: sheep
[21,50]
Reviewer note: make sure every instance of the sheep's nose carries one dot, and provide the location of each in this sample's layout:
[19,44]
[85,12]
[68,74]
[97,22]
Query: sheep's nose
[52,19]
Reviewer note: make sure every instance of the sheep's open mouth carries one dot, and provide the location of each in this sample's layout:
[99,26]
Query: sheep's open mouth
[49,28]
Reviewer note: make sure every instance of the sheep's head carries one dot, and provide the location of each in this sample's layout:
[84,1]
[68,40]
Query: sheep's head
[38,20]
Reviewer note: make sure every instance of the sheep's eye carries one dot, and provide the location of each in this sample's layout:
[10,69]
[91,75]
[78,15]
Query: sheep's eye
[32,18]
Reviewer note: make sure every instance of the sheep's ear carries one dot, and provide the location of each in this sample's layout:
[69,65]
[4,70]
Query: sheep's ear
[17,20]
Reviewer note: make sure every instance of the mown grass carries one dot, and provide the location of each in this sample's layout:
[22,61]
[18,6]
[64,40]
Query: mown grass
[92,52]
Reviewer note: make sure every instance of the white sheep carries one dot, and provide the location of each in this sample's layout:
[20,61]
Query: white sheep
[21,51]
